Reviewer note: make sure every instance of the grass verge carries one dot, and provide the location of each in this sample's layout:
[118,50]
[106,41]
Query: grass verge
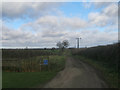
[57,63]
[25,79]
[109,75]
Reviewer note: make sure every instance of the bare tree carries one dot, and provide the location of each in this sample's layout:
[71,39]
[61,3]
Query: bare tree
[63,44]
[59,44]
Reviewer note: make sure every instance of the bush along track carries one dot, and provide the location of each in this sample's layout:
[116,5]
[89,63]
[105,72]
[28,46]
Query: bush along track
[105,59]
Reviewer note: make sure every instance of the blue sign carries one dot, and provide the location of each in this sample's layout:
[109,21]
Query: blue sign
[45,62]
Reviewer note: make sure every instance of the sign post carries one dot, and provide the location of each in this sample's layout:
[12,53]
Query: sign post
[44,62]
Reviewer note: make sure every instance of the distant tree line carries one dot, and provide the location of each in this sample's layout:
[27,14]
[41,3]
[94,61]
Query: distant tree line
[26,53]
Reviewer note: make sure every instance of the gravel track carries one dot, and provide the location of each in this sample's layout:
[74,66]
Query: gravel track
[77,74]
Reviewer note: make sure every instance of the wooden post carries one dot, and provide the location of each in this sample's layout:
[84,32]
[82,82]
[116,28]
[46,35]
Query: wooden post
[40,65]
[48,64]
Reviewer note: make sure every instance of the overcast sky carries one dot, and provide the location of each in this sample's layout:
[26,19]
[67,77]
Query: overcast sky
[42,25]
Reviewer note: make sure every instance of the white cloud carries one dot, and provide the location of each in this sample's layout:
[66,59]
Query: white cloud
[101,4]
[14,38]
[108,16]
[99,19]
[48,29]
[27,9]
[111,10]
[57,23]
[97,37]
[96,4]
[102,0]
[74,22]
[60,1]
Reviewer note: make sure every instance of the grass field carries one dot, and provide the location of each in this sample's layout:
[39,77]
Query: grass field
[25,79]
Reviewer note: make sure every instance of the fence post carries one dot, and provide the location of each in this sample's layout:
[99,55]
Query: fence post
[48,63]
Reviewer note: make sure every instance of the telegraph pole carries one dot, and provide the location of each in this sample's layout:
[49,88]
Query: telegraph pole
[78,40]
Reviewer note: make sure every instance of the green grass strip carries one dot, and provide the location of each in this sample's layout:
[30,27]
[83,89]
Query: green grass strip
[25,79]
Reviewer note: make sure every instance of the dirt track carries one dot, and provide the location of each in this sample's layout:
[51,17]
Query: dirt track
[76,75]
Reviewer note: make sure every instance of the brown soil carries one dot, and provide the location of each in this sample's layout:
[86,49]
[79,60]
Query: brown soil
[77,74]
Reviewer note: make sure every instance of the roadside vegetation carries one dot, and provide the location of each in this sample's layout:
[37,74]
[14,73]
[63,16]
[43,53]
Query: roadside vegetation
[25,68]
[21,67]
[105,59]
[26,79]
